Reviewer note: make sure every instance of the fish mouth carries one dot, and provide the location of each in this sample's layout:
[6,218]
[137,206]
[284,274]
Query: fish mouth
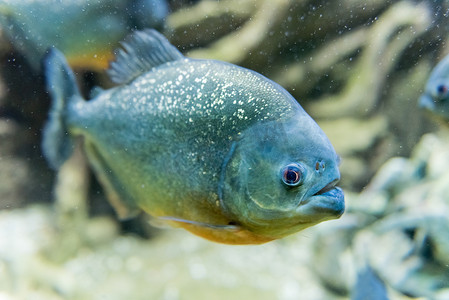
[426,102]
[328,202]
[328,188]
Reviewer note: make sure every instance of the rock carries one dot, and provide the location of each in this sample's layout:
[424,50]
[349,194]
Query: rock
[401,226]
[175,265]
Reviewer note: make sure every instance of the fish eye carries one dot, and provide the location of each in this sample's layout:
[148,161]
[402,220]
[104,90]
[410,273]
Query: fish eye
[293,174]
[442,90]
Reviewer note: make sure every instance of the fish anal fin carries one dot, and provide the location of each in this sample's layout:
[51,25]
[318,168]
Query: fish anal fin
[141,51]
[121,201]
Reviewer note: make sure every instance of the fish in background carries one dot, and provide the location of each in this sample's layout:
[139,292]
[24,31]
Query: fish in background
[205,145]
[369,286]
[436,93]
[86,31]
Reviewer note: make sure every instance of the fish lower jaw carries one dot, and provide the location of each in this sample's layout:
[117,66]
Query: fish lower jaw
[329,187]
[329,203]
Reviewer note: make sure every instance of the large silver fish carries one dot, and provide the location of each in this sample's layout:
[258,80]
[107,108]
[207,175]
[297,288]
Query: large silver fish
[436,93]
[215,148]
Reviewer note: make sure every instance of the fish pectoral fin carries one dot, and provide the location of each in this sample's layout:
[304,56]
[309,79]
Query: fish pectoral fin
[123,204]
[140,52]
[227,227]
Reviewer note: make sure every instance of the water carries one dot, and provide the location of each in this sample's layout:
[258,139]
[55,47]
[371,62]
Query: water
[358,68]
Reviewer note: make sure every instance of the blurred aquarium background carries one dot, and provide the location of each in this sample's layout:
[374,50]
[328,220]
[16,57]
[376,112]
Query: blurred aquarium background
[357,67]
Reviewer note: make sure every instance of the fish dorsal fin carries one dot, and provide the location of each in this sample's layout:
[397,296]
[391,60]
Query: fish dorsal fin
[141,51]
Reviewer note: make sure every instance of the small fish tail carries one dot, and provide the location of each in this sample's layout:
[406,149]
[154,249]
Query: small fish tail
[57,144]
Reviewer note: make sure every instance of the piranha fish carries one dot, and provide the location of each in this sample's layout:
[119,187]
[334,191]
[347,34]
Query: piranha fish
[205,145]
[436,93]
[86,31]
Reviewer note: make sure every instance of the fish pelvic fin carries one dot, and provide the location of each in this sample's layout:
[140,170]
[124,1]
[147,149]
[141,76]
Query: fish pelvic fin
[232,234]
[229,227]
[141,51]
[57,145]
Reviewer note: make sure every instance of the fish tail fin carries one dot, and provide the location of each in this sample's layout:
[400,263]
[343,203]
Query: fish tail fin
[57,144]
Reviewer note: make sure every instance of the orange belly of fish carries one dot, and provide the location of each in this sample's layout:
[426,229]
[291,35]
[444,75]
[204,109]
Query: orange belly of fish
[238,236]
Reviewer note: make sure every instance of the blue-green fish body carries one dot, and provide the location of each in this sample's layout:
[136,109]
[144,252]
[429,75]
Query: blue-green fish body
[436,93]
[217,149]
[86,31]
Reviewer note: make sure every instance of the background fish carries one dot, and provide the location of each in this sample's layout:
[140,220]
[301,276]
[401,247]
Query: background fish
[369,286]
[436,93]
[86,31]
[215,148]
